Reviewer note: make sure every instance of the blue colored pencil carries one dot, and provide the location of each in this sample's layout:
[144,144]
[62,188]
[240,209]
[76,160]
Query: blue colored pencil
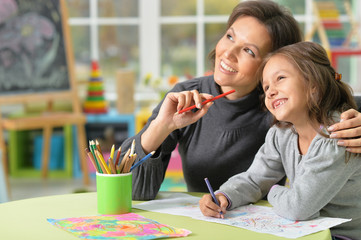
[142,160]
[212,193]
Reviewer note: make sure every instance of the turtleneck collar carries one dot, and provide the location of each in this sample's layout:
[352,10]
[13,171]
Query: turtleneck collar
[244,104]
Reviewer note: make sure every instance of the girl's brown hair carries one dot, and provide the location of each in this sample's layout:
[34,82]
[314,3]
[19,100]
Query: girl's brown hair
[326,93]
[281,25]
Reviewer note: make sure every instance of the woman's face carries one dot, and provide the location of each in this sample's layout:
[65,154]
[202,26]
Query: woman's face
[238,55]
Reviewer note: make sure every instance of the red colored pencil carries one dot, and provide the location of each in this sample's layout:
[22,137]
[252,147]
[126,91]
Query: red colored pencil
[207,101]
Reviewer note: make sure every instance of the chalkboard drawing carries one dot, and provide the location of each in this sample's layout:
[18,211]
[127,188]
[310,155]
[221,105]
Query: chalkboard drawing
[32,55]
[37,65]
[95,102]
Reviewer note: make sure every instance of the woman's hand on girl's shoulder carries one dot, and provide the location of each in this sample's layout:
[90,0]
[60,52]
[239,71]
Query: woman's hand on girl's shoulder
[348,131]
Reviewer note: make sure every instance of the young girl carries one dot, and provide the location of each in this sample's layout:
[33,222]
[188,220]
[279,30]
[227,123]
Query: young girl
[305,96]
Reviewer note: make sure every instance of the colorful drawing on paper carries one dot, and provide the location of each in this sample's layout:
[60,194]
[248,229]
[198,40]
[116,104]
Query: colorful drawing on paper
[125,226]
[252,217]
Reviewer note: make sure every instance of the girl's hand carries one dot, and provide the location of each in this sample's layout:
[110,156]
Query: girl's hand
[210,208]
[348,130]
[176,101]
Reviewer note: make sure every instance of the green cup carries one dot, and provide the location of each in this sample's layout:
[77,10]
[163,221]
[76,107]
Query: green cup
[114,193]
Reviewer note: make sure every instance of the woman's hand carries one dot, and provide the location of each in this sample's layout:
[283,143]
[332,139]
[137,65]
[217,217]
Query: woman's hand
[169,120]
[348,130]
[210,208]
[176,101]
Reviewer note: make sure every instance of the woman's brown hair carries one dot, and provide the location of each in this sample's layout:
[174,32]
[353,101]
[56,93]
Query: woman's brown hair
[281,25]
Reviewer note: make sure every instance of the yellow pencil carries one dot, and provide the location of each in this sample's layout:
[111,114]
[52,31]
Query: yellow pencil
[112,152]
[102,161]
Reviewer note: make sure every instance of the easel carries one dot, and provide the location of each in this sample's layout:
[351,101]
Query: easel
[49,119]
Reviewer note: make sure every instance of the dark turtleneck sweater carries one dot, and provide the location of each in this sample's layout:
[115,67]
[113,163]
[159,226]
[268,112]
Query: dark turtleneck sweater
[219,145]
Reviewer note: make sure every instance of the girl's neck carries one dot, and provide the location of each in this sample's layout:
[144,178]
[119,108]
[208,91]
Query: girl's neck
[306,133]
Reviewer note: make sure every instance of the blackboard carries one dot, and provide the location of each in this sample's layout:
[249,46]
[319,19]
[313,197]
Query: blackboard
[32,47]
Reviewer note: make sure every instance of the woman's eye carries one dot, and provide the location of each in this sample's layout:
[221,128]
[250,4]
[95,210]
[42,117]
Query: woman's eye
[229,37]
[250,52]
[280,77]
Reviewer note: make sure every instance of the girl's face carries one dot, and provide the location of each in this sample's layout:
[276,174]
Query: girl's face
[238,55]
[285,91]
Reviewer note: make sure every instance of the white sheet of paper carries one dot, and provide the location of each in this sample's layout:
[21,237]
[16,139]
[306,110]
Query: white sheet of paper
[252,217]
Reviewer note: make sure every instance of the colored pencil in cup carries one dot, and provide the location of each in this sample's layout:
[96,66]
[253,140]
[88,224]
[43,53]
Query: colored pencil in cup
[113,170]
[102,161]
[142,160]
[207,101]
[125,158]
[118,156]
[112,152]
[132,148]
[91,158]
[92,149]
[98,146]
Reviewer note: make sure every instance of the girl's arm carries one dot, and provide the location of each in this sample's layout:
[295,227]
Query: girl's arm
[320,176]
[265,171]
[348,131]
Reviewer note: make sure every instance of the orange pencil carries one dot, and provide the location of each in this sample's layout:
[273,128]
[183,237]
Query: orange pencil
[118,156]
[90,156]
[98,146]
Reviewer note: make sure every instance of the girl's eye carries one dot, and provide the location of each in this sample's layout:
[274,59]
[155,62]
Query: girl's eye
[265,88]
[250,52]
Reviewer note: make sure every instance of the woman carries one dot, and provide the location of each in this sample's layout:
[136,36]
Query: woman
[224,141]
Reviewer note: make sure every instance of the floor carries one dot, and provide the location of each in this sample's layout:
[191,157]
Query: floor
[22,188]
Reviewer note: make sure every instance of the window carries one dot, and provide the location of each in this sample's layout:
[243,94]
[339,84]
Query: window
[167,37]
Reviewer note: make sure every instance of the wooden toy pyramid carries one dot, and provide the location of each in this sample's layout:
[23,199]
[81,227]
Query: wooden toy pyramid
[331,32]
[95,102]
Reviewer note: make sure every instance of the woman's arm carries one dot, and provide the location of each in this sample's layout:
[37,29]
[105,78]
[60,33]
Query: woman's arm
[348,131]
[159,134]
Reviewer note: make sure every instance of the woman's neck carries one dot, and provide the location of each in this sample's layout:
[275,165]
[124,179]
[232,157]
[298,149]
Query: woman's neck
[240,93]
